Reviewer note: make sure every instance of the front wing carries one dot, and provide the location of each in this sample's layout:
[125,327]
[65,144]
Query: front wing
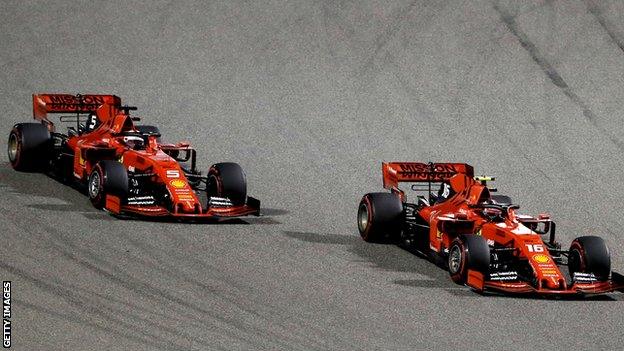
[115,206]
[477,281]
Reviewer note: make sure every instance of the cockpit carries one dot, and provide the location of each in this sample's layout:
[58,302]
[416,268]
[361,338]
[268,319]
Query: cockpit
[134,142]
[127,134]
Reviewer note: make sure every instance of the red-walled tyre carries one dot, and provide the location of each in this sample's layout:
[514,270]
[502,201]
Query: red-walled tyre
[380,217]
[589,254]
[468,252]
[227,180]
[107,177]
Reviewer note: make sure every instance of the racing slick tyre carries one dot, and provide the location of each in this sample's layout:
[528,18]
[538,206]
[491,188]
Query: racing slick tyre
[29,146]
[227,180]
[468,252]
[589,254]
[149,131]
[107,177]
[380,217]
[501,199]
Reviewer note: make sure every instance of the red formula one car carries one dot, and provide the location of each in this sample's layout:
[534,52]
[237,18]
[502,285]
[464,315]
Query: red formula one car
[479,236]
[127,170]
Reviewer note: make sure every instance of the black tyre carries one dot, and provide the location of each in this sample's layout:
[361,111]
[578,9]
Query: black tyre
[227,180]
[107,177]
[501,199]
[380,217]
[29,147]
[589,254]
[149,131]
[468,252]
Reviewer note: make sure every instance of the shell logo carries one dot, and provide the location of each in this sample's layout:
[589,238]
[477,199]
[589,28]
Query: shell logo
[541,258]
[177,183]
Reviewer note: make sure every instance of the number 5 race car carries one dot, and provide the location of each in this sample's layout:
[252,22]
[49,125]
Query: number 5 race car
[125,167]
[479,236]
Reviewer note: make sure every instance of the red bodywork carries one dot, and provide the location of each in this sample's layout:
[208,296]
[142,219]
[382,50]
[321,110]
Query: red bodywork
[456,215]
[104,142]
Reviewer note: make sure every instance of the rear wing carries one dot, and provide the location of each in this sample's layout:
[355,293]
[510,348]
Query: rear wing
[67,103]
[396,172]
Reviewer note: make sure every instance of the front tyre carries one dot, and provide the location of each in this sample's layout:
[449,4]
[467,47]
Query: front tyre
[28,147]
[227,180]
[148,131]
[107,178]
[468,252]
[380,217]
[589,254]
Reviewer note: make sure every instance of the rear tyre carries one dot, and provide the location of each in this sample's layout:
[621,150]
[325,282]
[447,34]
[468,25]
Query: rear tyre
[468,252]
[107,178]
[227,180]
[29,147]
[589,254]
[380,217]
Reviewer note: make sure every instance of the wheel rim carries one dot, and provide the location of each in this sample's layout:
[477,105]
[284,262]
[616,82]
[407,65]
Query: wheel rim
[94,185]
[454,259]
[13,147]
[362,218]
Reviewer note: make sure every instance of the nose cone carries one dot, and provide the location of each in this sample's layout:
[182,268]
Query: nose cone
[550,283]
[548,272]
[183,196]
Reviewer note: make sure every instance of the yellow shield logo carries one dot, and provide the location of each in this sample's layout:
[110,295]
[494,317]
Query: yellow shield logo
[541,258]
[177,183]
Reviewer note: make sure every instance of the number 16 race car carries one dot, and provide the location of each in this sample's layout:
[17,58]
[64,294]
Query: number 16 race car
[478,236]
[125,167]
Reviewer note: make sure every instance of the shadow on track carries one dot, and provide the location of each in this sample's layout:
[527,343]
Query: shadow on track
[401,259]
[52,194]
[75,199]
[389,258]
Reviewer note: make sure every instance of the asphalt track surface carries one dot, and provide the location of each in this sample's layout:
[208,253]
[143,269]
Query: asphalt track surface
[310,97]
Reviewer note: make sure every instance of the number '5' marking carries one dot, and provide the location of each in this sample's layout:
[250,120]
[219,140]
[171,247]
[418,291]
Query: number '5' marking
[93,121]
[173,173]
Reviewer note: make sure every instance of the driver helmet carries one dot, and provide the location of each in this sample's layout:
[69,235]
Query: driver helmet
[133,142]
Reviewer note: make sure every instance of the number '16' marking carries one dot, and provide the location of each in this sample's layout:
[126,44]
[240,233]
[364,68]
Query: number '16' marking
[535,247]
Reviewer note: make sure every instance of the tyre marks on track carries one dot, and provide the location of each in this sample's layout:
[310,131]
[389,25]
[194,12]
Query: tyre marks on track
[551,72]
[596,11]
